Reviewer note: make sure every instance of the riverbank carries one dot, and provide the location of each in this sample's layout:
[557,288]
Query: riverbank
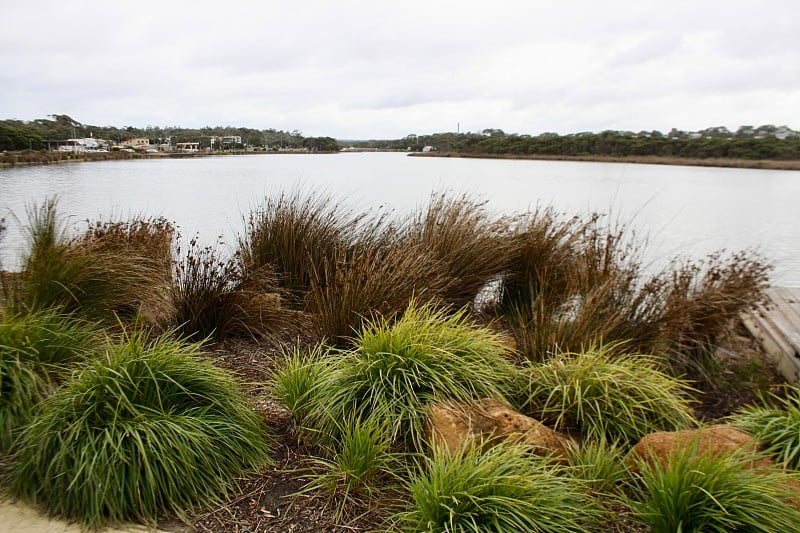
[35,158]
[770,164]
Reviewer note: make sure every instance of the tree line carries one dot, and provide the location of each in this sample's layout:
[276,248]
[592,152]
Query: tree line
[33,135]
[608,144]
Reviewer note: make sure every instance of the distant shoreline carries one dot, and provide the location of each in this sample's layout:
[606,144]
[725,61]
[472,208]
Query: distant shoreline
[37,158]
[769,164]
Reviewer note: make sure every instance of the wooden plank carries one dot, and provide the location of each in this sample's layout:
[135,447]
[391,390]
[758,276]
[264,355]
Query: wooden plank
[776,326]
[781,321]
[773,345]
[789,299]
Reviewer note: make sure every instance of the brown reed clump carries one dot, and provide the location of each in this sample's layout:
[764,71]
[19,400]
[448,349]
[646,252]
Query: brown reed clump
[86,275]
[293,234]
[468,244]
[215,297]
[578,282]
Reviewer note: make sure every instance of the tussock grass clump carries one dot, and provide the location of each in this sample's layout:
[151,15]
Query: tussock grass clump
[701,492]
[506,488]
[359,466]
[293,234]
[149,428]
[213,297]
[702,299]
[296,377]
[600,463]
[776,426]
[468,245]
[370,281]
[575,282]
[599,394]
[37,351]
[82,275]
[397,368]
[147,237]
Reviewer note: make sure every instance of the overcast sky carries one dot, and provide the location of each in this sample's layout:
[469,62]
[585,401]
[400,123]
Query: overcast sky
[378,69]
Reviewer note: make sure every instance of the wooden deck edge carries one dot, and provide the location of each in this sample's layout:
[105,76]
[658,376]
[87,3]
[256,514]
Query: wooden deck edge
[776,326]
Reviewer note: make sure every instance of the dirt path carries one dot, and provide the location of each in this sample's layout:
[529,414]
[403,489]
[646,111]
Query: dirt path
[20,517]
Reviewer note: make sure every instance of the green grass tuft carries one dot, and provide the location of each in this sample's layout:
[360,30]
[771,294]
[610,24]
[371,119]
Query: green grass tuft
[37,351]
[700,492]
[599,394]
[359,465]
[397,368]
[149,428]
[504,489]
[295,379]
[775,426]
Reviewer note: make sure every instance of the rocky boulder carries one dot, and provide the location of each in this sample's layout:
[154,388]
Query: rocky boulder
[715,440]
[489,422]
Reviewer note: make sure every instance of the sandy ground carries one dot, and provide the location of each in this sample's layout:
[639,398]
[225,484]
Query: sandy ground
[19,517]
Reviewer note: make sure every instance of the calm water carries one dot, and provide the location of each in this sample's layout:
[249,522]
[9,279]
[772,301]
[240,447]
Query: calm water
[687,211]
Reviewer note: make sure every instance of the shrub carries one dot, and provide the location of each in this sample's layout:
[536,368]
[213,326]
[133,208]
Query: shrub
[147,429]
[36,352]
[83,275]
[598,394]
[396,369]
[506,488]
[700,492]
[776,427]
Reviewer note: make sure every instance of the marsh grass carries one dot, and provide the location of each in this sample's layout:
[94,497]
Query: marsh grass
[579,281]
[293,234]
[506,488]
[37,352]
[92,276]
[468,244]
[776,425]
[147,429]
[703,298]
[598,394]
[397,368]
[701,492]
[357,286]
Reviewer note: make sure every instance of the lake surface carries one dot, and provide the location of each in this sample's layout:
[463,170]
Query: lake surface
[685,211]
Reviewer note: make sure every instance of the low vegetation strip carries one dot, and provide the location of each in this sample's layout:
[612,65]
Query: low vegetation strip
[767,164]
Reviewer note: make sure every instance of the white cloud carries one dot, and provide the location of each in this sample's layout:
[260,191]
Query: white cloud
[360,69]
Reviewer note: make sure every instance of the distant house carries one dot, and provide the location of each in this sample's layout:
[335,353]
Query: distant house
[88,144]
[187,147]
[230,141]
[139,142]
[428,148]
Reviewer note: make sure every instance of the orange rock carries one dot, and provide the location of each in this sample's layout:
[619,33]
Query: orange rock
[714,440]
[489,422]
